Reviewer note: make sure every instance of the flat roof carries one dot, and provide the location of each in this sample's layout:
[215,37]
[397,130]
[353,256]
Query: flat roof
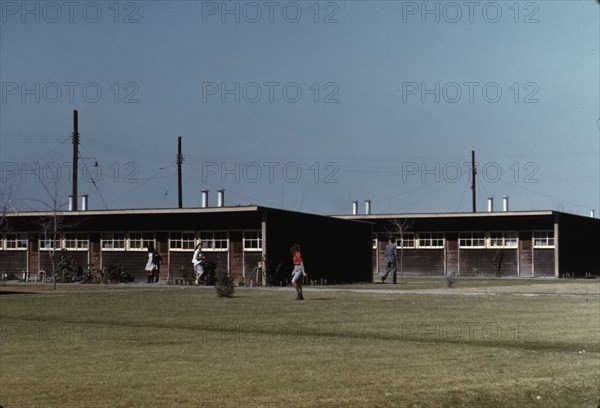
[139,211]
[449,215]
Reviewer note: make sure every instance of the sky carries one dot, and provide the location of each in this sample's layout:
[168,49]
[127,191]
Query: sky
[302,105]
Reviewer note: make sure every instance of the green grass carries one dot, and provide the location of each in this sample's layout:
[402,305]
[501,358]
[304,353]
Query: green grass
[141,346]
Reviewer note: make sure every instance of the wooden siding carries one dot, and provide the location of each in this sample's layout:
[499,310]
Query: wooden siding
[13,262]
[178,260]
[421,262]
[251,260]
[132,261]
[543,262]
[485,262]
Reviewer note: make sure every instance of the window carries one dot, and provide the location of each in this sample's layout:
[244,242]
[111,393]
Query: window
[407,240]
[113,241]
[543,239]
[431,240]
[16,242]
[471,240]
[214,241]
[503,239]
[252,241]
[49,244]
[141,241]
[182,241]
[76,241]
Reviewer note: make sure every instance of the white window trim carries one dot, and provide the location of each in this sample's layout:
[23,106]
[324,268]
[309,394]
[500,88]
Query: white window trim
[506,235]
[113,241]
[462,246]
[77,240]
[400,241]
[547,246]
[418,241]
[194,241]
[144,247]
[259,240]
[58,240]
[5,241]
[207,248]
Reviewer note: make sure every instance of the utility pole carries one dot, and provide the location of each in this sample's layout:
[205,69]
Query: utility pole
[75,157]
[179,161]
[473,174]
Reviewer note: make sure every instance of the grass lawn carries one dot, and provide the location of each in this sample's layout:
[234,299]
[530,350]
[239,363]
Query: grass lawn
[490,344]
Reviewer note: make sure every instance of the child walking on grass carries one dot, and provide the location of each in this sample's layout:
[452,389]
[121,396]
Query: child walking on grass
[298,270]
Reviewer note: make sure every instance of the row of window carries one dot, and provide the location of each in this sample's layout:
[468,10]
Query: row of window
[470,240]
[136,241]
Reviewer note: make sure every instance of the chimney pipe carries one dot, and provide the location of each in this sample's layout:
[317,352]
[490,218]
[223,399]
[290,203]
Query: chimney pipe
[368,207]
[204,202]
[490,204]
[354,207]
[84,202]
[220,197]
[71,202]
[592,213]
[505,203]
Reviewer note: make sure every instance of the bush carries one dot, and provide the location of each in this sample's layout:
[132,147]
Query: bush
[209,276]
[110,274]
[66,268]
[224,284]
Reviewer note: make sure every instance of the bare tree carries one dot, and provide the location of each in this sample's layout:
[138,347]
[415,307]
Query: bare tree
[6,204]
[52,224]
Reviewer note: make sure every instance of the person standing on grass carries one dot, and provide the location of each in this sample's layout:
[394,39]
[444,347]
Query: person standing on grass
[390,258]
[198,261]
[298,271]
[153,265]
[156,261]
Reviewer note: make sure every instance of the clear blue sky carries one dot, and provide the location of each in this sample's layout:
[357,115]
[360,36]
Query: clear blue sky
[304,105]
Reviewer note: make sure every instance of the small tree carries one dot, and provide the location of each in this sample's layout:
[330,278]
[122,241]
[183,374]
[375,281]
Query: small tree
[51,226]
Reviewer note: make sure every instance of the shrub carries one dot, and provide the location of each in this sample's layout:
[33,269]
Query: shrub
[209,276]
[109,274]
[224,284]
[65,266]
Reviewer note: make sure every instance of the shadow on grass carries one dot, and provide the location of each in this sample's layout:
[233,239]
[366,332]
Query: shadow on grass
[318,299]
[12,293]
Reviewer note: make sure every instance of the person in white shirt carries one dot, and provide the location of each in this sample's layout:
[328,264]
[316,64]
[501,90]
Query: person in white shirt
[198,261]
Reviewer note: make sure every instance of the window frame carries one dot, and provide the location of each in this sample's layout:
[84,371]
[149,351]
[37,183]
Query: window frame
[182,241]
[258,240]
[549,237]
[468,240]
[5,240]
[113,240]
[401,240]
[78,240]
[42,241]
[145,241]
[209,244]
[508,240]
[432,239]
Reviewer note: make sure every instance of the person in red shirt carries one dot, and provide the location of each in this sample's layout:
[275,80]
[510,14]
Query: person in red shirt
[298,271]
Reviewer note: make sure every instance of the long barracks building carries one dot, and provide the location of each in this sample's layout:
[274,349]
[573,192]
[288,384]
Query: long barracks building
[503,243]
[344,248]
